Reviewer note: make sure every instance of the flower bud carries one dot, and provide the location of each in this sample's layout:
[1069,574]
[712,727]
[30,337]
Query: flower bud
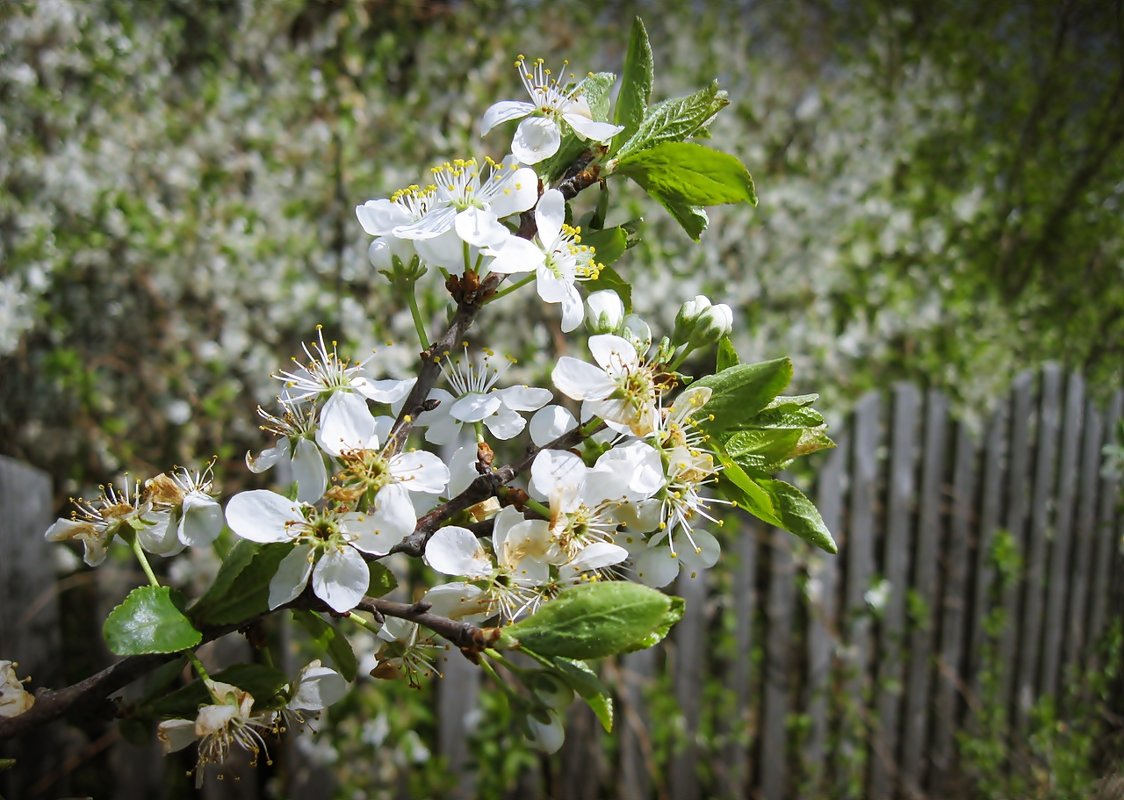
[606,312]
[638,334]
[687,319]
[714,323]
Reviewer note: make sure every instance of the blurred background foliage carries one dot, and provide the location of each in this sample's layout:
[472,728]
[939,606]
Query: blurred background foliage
[940,187]
[940,181]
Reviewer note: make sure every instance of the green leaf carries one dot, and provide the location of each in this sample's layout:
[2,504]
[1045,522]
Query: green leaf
[688,174]
[268,685]
[798,514]
[727,355]
[596,88]
[692,219]
[790,412]
[609,279]
[241,589]
[382,580]
[742,490]
[609,243]
[740,391]
[148,621]
[597,619]
[763,450]
[580,677]
[675,120]
[636,82]
[329,639]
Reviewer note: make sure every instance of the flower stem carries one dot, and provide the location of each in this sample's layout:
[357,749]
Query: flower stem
[512,287]
[143,559]
[419,324]
[363,622]
[538,507]
[201,671]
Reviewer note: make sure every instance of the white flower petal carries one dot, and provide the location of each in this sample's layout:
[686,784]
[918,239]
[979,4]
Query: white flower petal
[341,578]
[345,423]
[419,471]
[474,407]
[462,469]
[656,567]
[550,213]
[380,217]
[516,192]
[581,381]
[309,471]
[480,228]
[175,734]
[453,550]
[459,600]
[291,576]
[536,139]
[597,556]
[200,520]
[503,111]
[268,457]
[573,310]
[588,129]
[613,353]
[159,536]
[390,519]
[516,255]
[505,424]
[317,688]
[705,556]
[549,423]
[524,398]
[262,516]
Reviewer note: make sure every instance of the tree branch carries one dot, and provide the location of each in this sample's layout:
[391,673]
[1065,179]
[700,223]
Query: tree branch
[468,637]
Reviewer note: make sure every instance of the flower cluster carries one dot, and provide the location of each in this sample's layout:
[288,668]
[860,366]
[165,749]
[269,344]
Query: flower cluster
[614,470]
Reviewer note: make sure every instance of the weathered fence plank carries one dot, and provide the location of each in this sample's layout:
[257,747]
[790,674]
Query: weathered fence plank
[897,544]
[638,670]
[1030,635]
[1105,535]
[1061,547]
[690,651]
[735,776]
[457,695]
[858,551]
[954,563]
[924,585]
[823,619]
[995,456]
[1080,577]
[29,615]
[1017,506]
[777,678]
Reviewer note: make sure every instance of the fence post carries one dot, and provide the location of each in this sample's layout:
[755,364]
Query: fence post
[29,616]
[897,546]
[777,679]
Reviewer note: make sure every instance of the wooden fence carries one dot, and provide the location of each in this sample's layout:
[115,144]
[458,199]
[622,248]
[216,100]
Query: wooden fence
[796,674]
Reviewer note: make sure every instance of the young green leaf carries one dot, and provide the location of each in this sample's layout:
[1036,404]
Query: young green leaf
[798,514]
[727,355]
[329,640]
[382,580]
[582,679]
[149,621]
[691,219]
[688,174]
[636,82]
[241,589]
[739,392]
[675,120]
[600,619]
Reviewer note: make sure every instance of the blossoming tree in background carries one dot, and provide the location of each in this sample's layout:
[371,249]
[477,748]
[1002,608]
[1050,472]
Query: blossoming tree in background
[548,516]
